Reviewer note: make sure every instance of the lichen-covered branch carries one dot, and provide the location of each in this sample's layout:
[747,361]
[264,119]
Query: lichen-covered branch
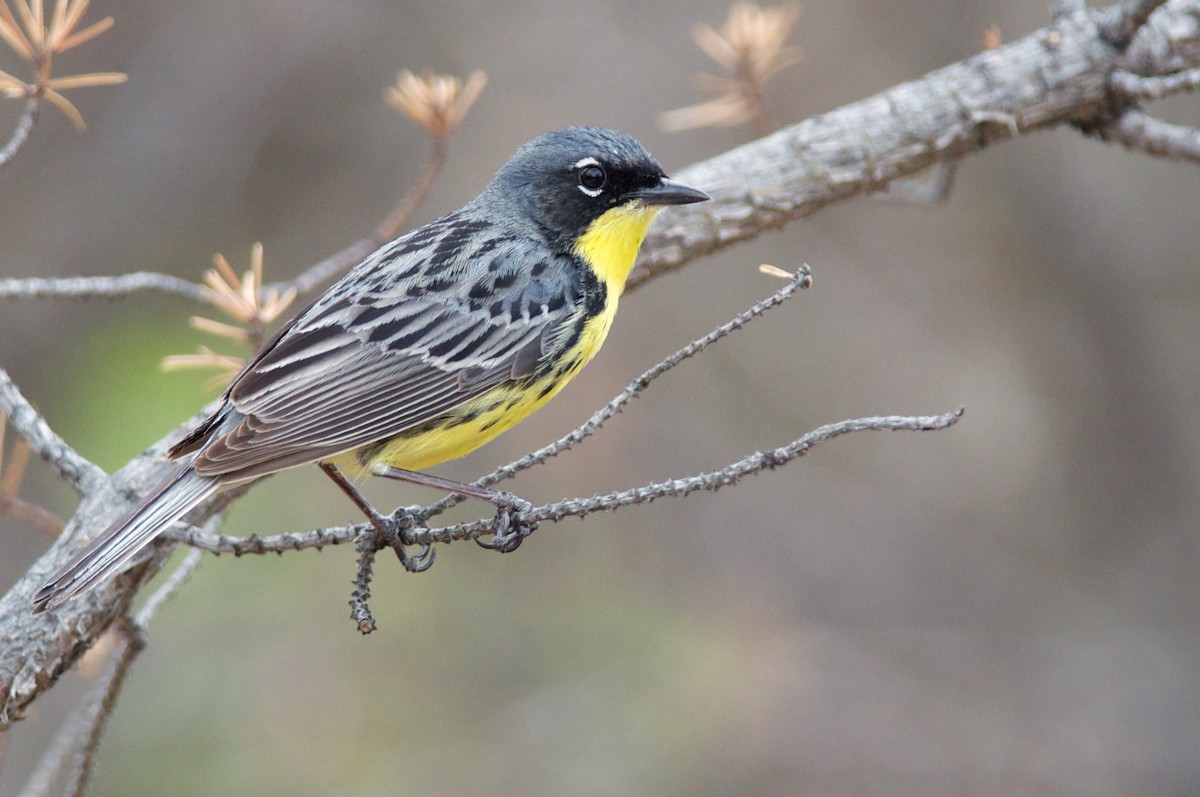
[1059,75]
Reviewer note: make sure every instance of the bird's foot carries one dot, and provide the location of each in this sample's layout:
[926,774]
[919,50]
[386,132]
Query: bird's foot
[390,532]
[509,529]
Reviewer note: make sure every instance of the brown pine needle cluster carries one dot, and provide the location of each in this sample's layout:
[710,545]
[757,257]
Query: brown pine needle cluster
[38,40]
[243,299]
[437,103]
[752,48]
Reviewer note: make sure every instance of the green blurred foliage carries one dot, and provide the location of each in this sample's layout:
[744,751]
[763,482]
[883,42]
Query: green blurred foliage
[107,394]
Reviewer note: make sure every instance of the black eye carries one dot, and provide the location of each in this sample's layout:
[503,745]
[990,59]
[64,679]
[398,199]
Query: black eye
[592,177]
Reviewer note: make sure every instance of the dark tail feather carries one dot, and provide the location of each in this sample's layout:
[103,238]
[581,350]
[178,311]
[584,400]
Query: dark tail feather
[126,537]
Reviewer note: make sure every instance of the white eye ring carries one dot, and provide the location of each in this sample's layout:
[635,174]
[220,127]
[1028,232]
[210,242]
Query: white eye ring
[584,163]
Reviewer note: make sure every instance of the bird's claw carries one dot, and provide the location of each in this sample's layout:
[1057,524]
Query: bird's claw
[398,522]
[509,530]
[421,562]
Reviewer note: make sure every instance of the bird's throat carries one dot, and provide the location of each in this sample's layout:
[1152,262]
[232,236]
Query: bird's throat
[610,243]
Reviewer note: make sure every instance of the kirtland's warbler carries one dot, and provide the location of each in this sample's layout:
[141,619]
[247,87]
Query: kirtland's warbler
[429,348]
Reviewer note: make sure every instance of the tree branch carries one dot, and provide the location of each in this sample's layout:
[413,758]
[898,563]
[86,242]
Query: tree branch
[569,507]
[1055,76]
[25,421]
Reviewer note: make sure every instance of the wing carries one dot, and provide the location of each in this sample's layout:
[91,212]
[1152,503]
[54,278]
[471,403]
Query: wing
[434,320]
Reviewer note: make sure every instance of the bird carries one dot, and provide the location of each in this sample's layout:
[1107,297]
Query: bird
[429,348]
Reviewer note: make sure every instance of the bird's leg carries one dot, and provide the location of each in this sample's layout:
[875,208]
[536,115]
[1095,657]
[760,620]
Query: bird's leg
[508,529]
[385,527]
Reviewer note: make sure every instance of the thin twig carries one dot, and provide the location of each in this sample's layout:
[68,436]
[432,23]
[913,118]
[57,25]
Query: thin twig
[25,421]
[320,273]
[255,544]
[12,473]
[79,736]
[98,287]
[51,763]
[305,283]
[24,127]
[679,488]
[1138,87]
[1139,131]
[709,480]
[176,580]
[360,613]
[259,544]
[97,708]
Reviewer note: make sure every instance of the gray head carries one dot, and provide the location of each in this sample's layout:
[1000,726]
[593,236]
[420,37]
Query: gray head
[565,179]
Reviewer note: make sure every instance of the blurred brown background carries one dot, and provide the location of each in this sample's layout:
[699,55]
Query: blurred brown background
[1008,607]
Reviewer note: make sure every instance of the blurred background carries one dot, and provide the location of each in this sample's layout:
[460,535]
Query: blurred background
[1007,607]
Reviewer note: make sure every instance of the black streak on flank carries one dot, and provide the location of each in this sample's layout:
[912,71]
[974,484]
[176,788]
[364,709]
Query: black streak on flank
[466,417]
[595,294]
